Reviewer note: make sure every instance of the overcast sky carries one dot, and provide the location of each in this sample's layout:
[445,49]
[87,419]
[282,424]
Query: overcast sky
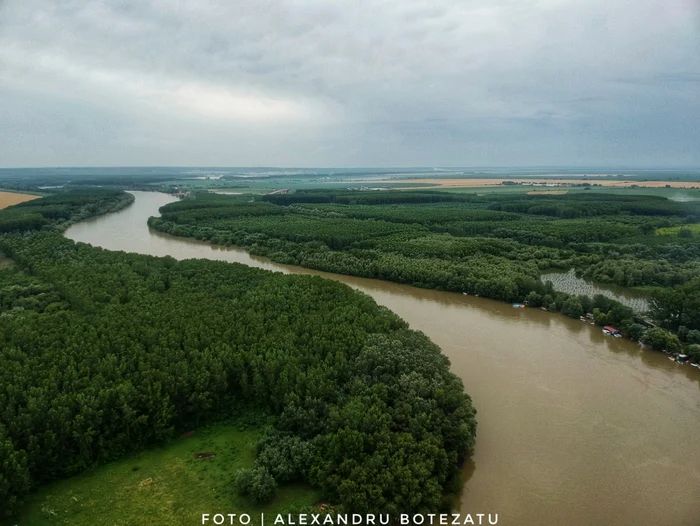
[349,83]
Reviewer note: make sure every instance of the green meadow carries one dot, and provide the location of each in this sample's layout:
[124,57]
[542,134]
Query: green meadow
[673,231]
[165,485]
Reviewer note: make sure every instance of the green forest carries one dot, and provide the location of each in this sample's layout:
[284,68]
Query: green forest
[105,353]
[495,246]
[57,212]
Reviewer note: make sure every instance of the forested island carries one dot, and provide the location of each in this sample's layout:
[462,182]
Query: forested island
[495,246]
[105,353]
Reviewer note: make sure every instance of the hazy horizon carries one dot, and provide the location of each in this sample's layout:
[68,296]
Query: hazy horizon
[373,83]
[436,169]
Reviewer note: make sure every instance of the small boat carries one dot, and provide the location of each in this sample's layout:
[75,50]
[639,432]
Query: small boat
[608,329]
[695,365]
[672,358]
[617,335]
[582,318]
[518,305]
[465,293]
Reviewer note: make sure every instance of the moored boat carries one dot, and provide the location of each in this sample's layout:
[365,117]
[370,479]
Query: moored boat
[609,329]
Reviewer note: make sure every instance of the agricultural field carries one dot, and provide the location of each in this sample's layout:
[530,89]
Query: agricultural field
[265,185]
[608,183]
[673,194]
[166,485]
[13,198]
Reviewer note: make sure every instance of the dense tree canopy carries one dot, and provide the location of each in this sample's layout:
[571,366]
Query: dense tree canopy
[104,353]
[58,212]
[494,245]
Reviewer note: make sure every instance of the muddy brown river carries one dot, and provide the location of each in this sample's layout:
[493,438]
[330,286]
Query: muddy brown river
[575,427]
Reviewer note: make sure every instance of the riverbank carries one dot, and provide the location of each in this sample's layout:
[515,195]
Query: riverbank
[489,270]
[561,405]
[605,312]
[156,352]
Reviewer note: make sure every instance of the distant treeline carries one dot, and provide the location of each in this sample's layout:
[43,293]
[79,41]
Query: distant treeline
[104,353]
[58,212]
[563,206]
[494,246]
[58,180]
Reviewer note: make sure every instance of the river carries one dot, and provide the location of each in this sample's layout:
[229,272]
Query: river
[575,427]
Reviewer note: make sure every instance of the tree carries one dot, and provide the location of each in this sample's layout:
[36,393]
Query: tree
[693,336]
[533,299]
[660,339]
[586,303]
[635,331]
[572,308]
[14,475]
[693,351]
[647,228]
[256,484]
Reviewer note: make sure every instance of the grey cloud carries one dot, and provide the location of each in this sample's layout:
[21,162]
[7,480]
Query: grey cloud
[312,82]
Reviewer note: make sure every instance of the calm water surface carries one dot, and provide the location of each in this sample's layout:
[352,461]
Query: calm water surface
[575,427]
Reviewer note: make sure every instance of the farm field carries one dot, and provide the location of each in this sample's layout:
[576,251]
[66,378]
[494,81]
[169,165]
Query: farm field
[608,183]
[13,198]
[166,485]
[267,185]
[674,194]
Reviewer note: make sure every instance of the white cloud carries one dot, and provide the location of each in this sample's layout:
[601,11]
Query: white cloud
[336,82]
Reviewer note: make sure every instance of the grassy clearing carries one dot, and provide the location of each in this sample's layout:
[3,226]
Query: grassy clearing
[673,231]
[165,485]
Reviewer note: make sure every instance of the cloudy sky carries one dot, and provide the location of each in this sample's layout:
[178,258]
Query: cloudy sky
[349,83]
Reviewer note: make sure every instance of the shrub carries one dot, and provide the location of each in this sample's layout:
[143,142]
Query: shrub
[256,484]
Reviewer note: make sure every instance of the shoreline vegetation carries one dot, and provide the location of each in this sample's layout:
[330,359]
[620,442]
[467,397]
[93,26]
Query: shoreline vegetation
[57,212]
[108,353]
[493,246]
